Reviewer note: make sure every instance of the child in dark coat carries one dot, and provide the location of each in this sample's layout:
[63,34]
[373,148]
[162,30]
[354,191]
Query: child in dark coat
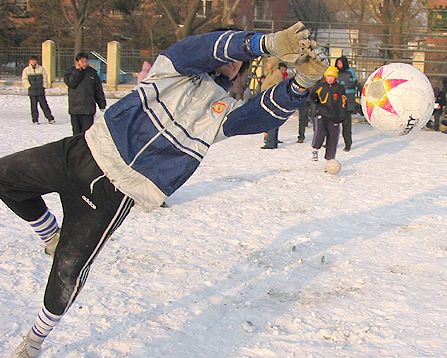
[331,110]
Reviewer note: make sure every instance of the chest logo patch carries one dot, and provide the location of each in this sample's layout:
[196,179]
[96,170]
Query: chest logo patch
[219,107]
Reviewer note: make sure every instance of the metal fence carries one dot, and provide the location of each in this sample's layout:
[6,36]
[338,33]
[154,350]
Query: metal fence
[369,46]
[64,60]
[14,60]
[132,60]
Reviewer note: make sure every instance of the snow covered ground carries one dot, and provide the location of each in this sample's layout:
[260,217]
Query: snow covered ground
[260,254]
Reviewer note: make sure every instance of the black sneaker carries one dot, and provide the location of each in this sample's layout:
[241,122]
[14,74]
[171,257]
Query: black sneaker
[300,140]
[347,149]
[267,147]
[315,155]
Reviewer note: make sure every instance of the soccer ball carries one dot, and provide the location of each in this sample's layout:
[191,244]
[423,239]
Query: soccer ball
[397,99]
[333,166]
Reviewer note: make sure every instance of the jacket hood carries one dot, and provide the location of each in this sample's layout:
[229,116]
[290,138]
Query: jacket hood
[344,61]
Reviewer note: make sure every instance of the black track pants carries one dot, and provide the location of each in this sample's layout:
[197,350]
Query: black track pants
[93,208]
[42,101]
[326,129]
[81,122]
[347,131]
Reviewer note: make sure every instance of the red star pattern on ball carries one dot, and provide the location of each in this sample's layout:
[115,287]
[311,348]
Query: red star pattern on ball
[376,92]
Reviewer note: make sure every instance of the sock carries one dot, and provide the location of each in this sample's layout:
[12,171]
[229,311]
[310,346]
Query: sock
[44,324]
[45,226]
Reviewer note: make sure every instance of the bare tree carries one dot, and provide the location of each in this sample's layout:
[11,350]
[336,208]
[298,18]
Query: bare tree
[313,11]
[10,33]
[77,13]
[393,20]
[187,17]
[228,11]
[397,18]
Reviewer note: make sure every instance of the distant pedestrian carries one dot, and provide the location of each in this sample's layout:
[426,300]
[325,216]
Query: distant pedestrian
[283,69]
[440,103]
[348,78]
[273,76]
[303,120]
[329,95]
[84,92]
[35,80]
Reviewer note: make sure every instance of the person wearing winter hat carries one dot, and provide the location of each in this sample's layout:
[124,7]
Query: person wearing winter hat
[331,110]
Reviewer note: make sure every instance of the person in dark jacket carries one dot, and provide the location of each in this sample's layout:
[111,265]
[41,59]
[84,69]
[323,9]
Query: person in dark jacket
[35,80]
[330,97]
[348,78]
[84,92]
[440,103]
[303,120]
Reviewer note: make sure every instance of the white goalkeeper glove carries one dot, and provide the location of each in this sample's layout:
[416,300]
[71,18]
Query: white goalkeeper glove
[290,45]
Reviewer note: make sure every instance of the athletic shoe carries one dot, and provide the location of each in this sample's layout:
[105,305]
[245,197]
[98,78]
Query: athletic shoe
[315,155]
[267,147]
[50,247]
[300,140]
[51,121]
[347,149]
[27,349]
[35,122]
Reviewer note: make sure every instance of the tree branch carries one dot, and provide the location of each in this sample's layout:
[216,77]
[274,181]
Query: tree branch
[170,16]
[192,13]
[65,13]
[74,6]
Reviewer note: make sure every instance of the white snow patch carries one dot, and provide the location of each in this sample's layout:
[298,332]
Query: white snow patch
[260,254]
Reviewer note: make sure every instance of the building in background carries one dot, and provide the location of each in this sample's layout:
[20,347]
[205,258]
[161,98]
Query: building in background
[263,15]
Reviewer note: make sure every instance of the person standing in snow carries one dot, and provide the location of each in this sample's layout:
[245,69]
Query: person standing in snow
[35,80]
[273,76]
[331,110]
[144,148]
[348,78]
[303,121]
[84,93]
[440,103]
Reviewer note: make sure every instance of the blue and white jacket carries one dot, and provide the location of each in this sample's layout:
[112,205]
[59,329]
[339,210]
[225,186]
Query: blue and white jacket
[151,141]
